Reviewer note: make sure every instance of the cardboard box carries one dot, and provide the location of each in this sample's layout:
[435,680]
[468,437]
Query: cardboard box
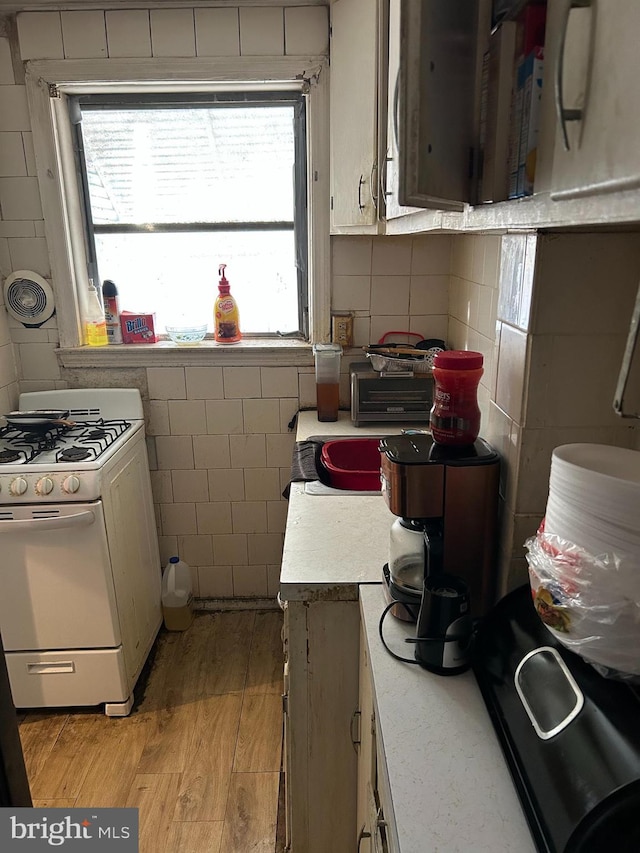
[138,328]
[531,83]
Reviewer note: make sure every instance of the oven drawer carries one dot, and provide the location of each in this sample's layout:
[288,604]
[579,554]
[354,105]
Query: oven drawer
[67,678]
[56,579]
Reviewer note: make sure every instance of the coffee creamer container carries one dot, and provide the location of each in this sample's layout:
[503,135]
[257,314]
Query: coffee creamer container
[226,317]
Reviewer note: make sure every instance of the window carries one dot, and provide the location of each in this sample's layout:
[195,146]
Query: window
[174,185]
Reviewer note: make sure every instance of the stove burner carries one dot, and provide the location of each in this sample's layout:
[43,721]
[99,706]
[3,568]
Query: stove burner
[96,433]
[73,454]
[9,456]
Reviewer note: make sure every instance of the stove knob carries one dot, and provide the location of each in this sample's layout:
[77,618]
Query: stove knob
[70,484]
[18,486]
[44,486]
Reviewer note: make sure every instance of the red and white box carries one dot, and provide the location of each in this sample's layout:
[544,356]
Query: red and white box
[138,328]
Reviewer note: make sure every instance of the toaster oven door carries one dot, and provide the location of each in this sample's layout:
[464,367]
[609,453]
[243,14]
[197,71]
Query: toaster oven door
[389,398]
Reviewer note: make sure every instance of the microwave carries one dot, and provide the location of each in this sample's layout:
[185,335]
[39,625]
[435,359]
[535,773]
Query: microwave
[388,397]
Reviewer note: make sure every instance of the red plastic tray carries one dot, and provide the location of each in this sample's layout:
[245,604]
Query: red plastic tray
[353,463]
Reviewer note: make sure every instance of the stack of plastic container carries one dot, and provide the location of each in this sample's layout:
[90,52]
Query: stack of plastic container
[584,564]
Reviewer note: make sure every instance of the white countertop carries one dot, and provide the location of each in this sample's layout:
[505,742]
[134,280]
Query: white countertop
[450,786]
[334,542]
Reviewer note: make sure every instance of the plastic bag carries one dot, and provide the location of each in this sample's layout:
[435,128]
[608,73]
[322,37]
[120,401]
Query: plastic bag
[590,603]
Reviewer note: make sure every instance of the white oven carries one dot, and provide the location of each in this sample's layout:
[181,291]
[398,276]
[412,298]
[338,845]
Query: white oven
[80,569]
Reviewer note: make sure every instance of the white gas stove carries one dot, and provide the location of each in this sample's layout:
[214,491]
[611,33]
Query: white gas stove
[62,463]
[81,571]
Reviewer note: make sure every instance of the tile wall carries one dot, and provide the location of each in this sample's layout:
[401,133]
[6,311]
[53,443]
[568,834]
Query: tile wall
[564,307]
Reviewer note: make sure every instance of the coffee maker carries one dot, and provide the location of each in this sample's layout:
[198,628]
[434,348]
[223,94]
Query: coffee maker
[446,500]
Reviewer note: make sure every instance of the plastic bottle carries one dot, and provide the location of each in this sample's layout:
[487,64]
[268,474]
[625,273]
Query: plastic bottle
[95,327]
[455,415]
[177,598]
[111,311]
[226,317]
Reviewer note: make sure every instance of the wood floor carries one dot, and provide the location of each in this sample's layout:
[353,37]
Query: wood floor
[200,754]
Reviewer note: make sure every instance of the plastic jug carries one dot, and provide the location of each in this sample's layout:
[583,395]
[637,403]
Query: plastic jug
[177,597]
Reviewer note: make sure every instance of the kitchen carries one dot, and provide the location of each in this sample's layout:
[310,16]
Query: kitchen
[512,296]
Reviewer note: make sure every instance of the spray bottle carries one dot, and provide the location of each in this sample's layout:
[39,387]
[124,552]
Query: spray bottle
[95,327]
[111,311]
[226,318]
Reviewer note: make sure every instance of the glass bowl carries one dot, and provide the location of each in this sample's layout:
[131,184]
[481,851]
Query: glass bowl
[186,335]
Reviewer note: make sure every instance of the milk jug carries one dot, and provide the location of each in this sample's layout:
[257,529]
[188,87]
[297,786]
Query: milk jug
[177,598]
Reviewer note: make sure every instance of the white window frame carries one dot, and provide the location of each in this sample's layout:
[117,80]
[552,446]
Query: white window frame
[49,81]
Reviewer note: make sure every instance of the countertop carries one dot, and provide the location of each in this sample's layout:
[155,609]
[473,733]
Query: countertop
[450,786]
[333,543]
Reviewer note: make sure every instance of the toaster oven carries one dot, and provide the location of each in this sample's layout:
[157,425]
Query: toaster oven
[389,397]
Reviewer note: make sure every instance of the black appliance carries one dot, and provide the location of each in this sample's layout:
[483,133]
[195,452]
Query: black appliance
[444,629]
[570,736]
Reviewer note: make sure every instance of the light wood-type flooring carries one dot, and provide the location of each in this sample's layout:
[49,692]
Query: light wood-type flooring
[199,755]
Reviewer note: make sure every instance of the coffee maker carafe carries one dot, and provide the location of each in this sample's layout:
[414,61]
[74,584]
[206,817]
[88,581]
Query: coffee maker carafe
[446,502]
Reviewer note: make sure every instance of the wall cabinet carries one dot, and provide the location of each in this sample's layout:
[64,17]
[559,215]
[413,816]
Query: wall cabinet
[417,115]
[354,115]
[599,153]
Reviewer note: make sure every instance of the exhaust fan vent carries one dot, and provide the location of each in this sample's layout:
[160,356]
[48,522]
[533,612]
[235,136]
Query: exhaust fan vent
[29,298]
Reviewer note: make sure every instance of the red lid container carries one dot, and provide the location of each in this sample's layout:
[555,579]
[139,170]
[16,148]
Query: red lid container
[455,414]
[353,463]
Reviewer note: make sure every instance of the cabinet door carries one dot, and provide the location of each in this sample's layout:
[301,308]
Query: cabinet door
[353,112]
[597,73]
[392,176]
[438,44]
[366,752]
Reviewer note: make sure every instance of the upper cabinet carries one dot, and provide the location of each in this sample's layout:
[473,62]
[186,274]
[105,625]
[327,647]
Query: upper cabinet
[483,115]
[597,147]
[354,115]
[435,103]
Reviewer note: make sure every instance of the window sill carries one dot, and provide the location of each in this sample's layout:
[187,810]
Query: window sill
[256,352]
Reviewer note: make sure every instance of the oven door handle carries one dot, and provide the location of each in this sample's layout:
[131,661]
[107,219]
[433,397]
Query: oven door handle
[78,519]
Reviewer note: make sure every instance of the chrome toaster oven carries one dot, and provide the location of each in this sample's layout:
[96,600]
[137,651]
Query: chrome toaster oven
[389,397]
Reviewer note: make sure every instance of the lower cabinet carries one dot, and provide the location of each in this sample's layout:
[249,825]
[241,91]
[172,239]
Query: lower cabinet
[321,698]
[337,795]
[376,833]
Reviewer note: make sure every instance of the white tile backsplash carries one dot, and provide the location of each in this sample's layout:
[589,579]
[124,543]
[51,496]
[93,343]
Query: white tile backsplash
[248,451]
[20,198]
[390,294]
[261,31]
[214,517]
[40,35]
[6,65]
[261,416]
[217,32]
[204,383]
[391,256]
[279,381]
[211,451]
[14,113]
[249,516]
[128,33]
[306,30]
[190,486]
[166,383]
[84,34]
[12,157]
[187,417]
[224,417]
[173,32]
[241,382]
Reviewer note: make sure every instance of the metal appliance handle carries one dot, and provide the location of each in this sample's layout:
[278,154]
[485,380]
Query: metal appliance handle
[625,367]
[78,519]
[565,115]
